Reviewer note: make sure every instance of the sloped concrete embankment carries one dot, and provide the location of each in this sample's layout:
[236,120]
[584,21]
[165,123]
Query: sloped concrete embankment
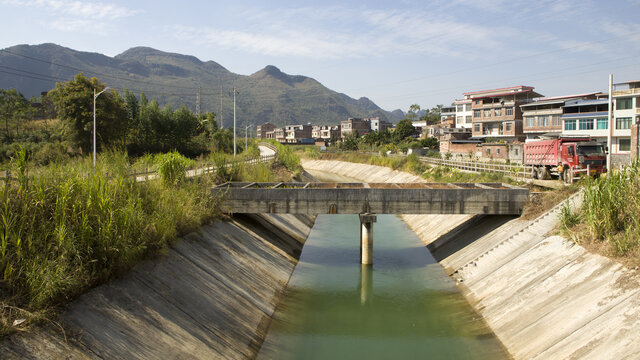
[211,297]
[544,297]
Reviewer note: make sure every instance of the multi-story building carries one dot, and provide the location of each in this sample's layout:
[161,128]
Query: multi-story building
[447,113]
[497,113]
[280,135]
[586,118]
[464,113]
[626,114]
[542,119]
[325,132]
[361,126]
[295,133]
[379,125]
[262,130]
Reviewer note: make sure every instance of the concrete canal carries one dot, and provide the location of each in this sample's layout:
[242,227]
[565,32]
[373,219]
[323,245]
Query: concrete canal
[404,306]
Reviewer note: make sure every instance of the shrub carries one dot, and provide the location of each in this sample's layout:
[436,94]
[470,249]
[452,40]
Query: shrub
[172,167]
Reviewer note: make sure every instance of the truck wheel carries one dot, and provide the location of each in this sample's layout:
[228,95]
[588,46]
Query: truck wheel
[544,173]
[565,175]
[535,172]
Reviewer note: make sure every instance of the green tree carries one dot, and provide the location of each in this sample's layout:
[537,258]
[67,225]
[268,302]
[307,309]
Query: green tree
[350,141]
[74,103]
[412,114]
[404,129]
[433,115]
[13,107]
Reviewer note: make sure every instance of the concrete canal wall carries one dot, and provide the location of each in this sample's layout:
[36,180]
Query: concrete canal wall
[544,297]
[210,297]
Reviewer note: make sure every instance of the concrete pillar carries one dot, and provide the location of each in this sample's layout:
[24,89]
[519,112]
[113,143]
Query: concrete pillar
[366,238]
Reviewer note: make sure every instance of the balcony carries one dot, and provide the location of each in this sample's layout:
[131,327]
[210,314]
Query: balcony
[626,92]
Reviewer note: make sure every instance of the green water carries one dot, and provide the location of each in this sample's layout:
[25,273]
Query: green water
[402,307]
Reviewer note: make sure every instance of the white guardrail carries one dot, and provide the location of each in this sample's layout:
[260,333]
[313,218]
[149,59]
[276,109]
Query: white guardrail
[203,169]
[515,170]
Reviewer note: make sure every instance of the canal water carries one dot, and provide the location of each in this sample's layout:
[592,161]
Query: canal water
[401,307]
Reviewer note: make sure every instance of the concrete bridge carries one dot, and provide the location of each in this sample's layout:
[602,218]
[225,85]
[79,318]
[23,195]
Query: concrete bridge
[369,199]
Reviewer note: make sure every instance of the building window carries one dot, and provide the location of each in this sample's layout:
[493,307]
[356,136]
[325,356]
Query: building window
[468,119]
[543,121]
[509,112]
[508,127]
[623,123]
[467,107]
[623,104]
[585,124]
[488,151]
[477,102]
[459,120]
[531,121]
[603,124]
[497,112]
[569,124]
[556,120]
[624,145]
[487,113]
[459,108]
[476,113]
[476,127]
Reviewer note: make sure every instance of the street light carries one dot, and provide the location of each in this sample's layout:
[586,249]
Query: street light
[245,136]
[95,96]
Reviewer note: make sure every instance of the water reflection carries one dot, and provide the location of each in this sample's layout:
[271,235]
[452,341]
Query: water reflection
[366,283]
[402,306]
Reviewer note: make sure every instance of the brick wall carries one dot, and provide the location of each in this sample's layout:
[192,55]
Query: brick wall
[495,151]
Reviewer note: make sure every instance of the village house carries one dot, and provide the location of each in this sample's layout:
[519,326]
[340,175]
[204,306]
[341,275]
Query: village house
[359,125]
[463,114]
[542,119]
[262,130]
[497,113]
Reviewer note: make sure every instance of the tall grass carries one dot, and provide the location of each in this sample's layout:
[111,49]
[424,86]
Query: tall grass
[611,207]
[65,228]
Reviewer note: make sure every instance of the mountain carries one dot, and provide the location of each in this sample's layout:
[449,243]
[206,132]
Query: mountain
[267,95]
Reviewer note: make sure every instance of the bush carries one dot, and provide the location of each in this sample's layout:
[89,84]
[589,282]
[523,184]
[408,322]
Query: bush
[172,167]
[287,157]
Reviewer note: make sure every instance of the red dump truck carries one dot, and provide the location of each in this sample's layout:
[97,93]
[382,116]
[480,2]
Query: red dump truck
[558,157]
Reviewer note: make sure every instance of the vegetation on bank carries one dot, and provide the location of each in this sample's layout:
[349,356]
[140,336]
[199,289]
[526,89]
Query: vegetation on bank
[608,218]
[66,227]
[411,164]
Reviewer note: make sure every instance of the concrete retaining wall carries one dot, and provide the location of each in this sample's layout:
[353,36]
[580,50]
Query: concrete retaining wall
[211,297]
[544,297]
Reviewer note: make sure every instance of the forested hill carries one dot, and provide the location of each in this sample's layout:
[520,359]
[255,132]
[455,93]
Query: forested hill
[267,95]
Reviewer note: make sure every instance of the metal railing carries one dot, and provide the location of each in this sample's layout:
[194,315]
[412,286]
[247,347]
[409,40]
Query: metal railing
[149,174]
[516,170]
[204,169]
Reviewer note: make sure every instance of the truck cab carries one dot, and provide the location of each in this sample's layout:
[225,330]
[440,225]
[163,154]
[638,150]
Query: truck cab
[579,155]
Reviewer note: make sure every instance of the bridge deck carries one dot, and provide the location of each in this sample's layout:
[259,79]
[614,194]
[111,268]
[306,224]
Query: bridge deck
[377,198]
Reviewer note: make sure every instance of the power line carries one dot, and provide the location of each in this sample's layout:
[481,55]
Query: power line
[95,72]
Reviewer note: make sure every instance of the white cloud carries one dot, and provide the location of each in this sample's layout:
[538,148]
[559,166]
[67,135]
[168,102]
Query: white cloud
[77,9]
[338,32]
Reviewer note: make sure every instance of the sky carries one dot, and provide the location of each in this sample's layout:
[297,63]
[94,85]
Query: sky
[396,53]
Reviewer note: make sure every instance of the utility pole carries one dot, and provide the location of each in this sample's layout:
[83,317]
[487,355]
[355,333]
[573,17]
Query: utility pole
[220,118]
[234,121]
[610,114]
[95,96]
[198,101]
[246,128]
